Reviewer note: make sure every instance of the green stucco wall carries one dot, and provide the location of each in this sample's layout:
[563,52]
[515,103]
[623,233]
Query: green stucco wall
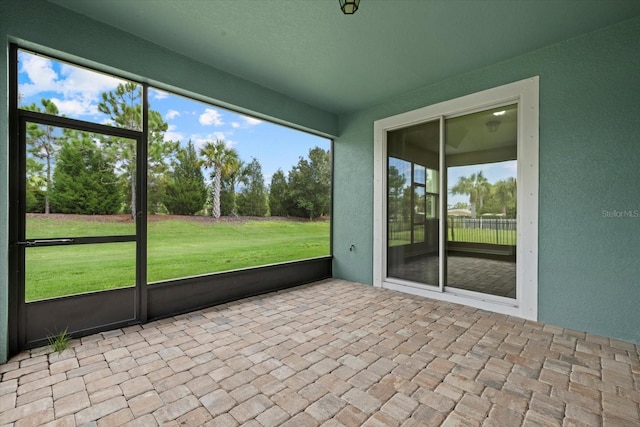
[589,276]
[589,264]
[51,29]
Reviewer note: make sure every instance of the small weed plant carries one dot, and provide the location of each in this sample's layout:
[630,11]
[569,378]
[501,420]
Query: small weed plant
[59,342]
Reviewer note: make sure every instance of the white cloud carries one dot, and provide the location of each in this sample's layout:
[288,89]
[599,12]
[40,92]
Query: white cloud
[172,114]
[211,117]
[251,121]
[79,89]
[246,122]
[199,140]
[158,94]
[41,74]
[199,144]
[76,107]
[79,82]
[172,135]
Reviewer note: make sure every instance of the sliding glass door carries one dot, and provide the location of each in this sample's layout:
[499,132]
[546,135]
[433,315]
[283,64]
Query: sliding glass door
[455,212]
[454,226]
[413,200]
[481,160]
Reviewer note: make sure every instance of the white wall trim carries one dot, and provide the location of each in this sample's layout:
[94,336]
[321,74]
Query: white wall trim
[526,94]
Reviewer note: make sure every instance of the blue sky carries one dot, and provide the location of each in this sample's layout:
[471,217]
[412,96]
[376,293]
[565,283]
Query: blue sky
[76,92]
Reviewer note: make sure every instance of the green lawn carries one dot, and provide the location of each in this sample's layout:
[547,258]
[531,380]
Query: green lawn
[502,237]
[176,248]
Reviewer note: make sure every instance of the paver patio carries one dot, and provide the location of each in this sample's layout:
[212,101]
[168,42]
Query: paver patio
[331,353]
[476,274]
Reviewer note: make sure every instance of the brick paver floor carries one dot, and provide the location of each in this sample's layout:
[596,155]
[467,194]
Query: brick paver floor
[476,274]
[332,353]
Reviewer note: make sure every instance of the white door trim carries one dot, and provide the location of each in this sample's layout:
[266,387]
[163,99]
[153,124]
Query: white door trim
[526,94]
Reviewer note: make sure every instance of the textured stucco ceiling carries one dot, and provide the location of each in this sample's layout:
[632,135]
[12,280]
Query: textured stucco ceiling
[310,51]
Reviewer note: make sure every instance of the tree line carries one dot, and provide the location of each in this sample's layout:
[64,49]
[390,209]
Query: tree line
[484,197]
[77,172]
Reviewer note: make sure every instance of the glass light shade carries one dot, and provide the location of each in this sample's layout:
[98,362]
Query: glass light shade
[349,7]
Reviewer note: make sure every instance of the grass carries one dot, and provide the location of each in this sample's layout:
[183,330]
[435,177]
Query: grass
[504,237]
[59,342]
[66,270]
[176,249]
[48,227]
[228,246]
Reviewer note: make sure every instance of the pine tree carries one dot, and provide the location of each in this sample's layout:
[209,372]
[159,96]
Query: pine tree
[36,187]
[310,183]
[278,195]
[396,183]
[186,192]
[228,196]
[124,107]
[252,200]
[42,144]
[84,181]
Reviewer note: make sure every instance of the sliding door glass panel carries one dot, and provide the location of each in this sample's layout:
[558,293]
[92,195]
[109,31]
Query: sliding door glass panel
[418,213]
[57,271]
[412,203]
[481,159]
[78,184]
[399,202]
[419,202]
[227,191]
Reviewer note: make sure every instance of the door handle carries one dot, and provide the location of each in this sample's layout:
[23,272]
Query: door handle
[40,242]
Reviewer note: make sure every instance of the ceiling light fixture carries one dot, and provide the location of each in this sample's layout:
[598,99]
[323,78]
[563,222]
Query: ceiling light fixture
[499,113]
[349,7]
[493,125]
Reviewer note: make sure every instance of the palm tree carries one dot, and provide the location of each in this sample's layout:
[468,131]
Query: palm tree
[476,186]
[224,161]
[506,190]
[236,175]
[482,187]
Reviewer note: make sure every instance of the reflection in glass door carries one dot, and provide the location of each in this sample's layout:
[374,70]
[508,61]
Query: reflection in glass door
[413,252]
[478,190]
[481,158]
